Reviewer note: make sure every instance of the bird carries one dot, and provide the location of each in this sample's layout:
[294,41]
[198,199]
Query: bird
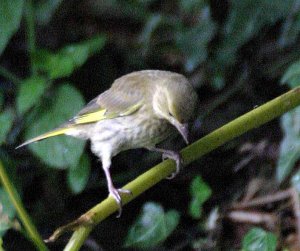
[140,110]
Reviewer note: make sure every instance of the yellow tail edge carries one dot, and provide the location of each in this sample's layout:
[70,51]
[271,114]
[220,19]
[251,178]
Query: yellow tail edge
[46,135]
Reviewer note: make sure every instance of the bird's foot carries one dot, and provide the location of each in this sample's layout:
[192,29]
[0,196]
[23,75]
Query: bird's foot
[116,194]
[177,158]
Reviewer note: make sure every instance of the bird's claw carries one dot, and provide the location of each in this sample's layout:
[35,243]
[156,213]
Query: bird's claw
[115,193]
[178,160]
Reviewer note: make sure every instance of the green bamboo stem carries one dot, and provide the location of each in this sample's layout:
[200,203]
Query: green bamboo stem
[23,215]
[253,119]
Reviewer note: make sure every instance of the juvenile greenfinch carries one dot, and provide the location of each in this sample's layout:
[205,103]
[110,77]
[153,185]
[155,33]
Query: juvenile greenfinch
[140,110]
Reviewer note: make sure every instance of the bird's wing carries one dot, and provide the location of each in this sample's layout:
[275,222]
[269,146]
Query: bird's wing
[108,105]
[92,114]
[105,106]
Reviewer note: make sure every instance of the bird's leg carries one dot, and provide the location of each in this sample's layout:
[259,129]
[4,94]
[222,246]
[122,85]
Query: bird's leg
[169,154]
[114,192]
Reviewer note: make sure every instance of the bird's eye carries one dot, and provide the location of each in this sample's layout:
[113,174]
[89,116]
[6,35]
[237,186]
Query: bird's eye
[171,115]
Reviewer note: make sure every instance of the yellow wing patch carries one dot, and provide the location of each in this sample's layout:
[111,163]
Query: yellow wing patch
[103,114]
[89,117]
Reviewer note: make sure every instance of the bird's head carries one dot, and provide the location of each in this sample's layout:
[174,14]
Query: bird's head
[176,101]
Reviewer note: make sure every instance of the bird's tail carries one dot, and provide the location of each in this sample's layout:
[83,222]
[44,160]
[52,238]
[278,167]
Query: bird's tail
[55,132]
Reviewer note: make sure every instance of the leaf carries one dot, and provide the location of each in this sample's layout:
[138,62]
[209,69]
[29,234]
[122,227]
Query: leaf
[152,227]
[200,193]
[245,20]
[7,212]
[291,27]
[60,151]
[68,59]
[290,145]
[78,176]
[44,10]
[258,239]
[10,17]
[6,122]
[30,92]
[291,77]
[218,81]
[193,42]
[296,181]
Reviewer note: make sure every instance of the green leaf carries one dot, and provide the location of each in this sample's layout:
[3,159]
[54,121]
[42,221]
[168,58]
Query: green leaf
[6,122]
[296,181]
[290,29]
[193,42]
[258,239]
[218,81]
[10,17]
[78,176]
[30,92]
[200,193]
[292,75]
[152,227]
[290,145]
[245,20]
[44,10]
[68,59]
[60,151]
[7,212]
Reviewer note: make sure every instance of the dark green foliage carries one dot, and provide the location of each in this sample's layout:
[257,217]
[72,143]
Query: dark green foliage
[259,240]
[6,121]
[292,75]
[58,152]
[296,181]
[152,227]
[193,41]
[7,212]
[78,175]
[200,192]
[234,52]
[290,124]
[1,100]
[45,9]
[30,93]
[10,17]
[290,145]
[245,20]
[65,61]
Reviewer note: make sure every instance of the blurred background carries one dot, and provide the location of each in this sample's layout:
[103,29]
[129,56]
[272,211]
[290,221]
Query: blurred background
[57,55]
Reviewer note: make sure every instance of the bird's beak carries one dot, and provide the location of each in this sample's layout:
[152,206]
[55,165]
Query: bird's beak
[183,130]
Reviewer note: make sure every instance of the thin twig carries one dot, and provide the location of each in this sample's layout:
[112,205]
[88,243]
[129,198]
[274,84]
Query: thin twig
[253,217]
[296,209]
[261,201]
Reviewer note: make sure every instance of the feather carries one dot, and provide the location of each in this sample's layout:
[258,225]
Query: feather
[46,135]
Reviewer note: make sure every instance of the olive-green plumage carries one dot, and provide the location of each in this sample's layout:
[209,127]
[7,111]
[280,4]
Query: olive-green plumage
[140,110]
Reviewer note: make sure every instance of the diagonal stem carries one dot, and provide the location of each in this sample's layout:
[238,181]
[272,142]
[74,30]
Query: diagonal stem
[23,215]
[253,119]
